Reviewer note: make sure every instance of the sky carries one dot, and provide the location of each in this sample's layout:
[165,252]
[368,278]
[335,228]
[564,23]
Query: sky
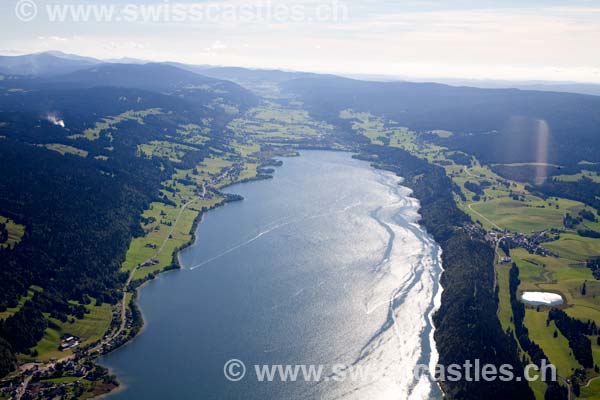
[462,39]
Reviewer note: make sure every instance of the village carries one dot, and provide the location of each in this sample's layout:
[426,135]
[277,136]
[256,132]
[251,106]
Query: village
[510,240]
[532,243]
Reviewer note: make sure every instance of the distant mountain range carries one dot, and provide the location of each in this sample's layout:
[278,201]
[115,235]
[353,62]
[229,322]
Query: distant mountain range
[59,71]
[497,125]
[152,76]
[43,64]
[55,63]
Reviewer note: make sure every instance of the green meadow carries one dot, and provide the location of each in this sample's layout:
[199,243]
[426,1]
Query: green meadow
[111,122]
[15,232]
[66,149]
[24,299]
[556,348]
[504,309]
[162,149]
[274,123]
[91,328]
[525,216]
[575,247]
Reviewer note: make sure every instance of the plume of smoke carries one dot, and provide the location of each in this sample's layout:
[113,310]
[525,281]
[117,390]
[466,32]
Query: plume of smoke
[51,117]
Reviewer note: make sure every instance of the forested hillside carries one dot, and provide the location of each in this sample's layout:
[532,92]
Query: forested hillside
[496,125]
[73,174]
[95,161]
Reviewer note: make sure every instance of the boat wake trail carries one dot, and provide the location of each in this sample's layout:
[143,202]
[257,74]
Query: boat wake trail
[271,228]
[247,242]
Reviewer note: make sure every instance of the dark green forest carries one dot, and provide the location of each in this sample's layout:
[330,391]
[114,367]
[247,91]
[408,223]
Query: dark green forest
[80,213]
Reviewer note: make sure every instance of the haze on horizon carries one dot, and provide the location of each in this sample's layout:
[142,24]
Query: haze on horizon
[461,39]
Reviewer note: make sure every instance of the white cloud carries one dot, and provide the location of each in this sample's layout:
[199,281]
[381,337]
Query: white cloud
[218,45]
[397,38]
[53,38]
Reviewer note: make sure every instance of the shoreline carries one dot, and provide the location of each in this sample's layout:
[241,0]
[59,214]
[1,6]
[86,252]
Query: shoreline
[433,353]
[176,259]
[432,357]
[468,278]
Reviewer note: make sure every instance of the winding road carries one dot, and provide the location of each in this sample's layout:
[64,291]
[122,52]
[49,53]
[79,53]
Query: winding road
[482,216]
[23,388]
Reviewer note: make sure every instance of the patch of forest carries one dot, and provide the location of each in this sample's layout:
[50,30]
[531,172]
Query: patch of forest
[584,190]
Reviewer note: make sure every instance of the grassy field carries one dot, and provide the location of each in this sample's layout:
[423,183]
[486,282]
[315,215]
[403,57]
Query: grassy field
[372,128]
[144,248]
[194,133]
[505,316]
[173,236]
[63,379]
[575,247]
[539,272]
[504,309]
[378,132]
[506,204]
[525,216]
[533,270]
[66,149]
[15,232]
[276,113]
[554,275]
[22,301]
[274,123]
[245,149]
[213,165]
[190,130]
[592,392]
[91,328]
[539,389]
[165,233]
[171,151]
[557,349]
[111,122]
[561,276]
[576,177]
[497,208]
[517,216]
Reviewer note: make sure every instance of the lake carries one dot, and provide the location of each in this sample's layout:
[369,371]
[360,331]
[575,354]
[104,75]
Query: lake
[323,265]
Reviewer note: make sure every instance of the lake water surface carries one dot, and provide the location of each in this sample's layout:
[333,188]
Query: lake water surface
[325,264]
